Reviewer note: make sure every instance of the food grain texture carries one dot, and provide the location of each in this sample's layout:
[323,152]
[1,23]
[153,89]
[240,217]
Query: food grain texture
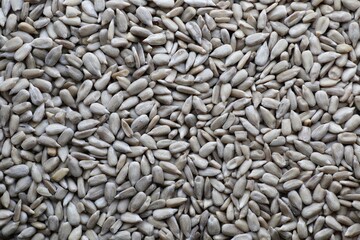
[179,119]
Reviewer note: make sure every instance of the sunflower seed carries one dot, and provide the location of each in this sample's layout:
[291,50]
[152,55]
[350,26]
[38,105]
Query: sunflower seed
[130,119]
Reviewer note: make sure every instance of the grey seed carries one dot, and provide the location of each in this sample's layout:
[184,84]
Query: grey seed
[54,129]
[298,29]
[8,84]
[43,191]
[353,230]
[157,39]
[5,213]
[32,73]
[140,123]
[354,32]
[119,42]
[67,98]
[347,138]
[200,3]
[140,31]
[96,180]
[321,25]
[255,39]
[36,173]
[213,225]
[279,47]
[249,127]
[185,224]
[307,60]
[161,59]
[207,149]
[10,228]
[164,4]
[61,30]
[277,13]
[269,118]
[128,103]
[42,43]
[230,230]
[324,233]
[73,216]
[148,141]
[64,230]
[194,31]
[309,96]
[288,74]
[146,228]
[5,199]
[12,45]
[343,114]
[137,86]
[187,90]
[161,214]
[237,55]
[65,136]
[144,16]
[296,123]
[222,51]
[352,123]
[340,16]
[333,223]
[169,167]
[76,233]
[262,55]
[123,235]
[239,187]
[35,95]
[121,147]
[292,184]
[88,8]
[27,233]
[312,210]
[92,64]
[98,109]
[87,124]
[130,218]
[180,56]
[204,76]
[322,99]
[93,219]
[327,57]
[245,236]
[321,159]
[18,171]
[252,221]
[22,52]
[53,56]
[253,116]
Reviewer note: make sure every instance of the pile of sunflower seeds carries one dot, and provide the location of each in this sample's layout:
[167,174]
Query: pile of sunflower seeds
[186,119]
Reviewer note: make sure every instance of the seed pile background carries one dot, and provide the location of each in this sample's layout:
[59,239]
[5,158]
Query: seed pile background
[194,119]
